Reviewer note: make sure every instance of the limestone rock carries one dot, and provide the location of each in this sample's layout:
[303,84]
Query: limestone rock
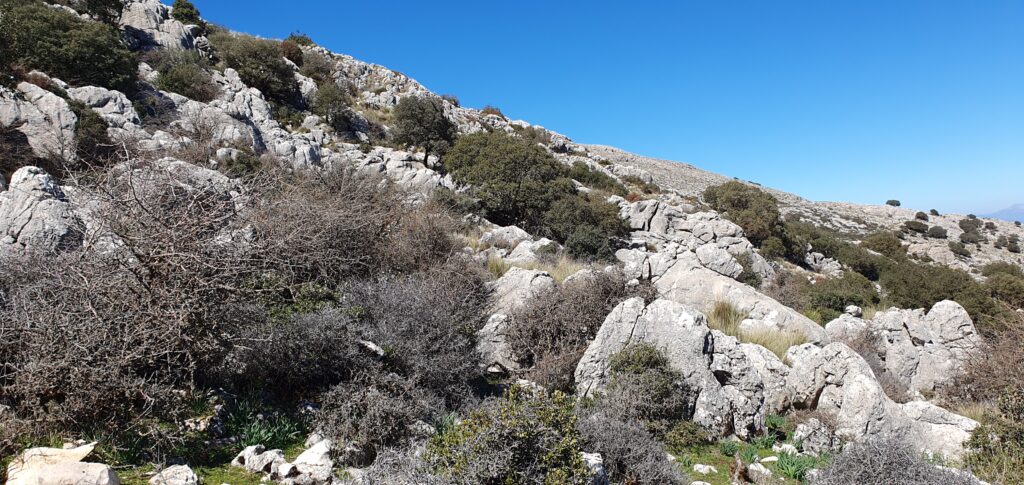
[518,287]
[148,24]
[44,118]
[815,437]
[528,251]
[35,214]
[113,106]
[728,394]
[718,260]
[507,237]
[837,381]
[175,475]
[595,463]
[496,355]
[57,466]
[759,474]
[257,459]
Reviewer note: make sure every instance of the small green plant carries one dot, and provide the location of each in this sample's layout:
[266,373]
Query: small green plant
[937,232]
[764,441]
[685,436]
[749,454]
[916,226]
[797,466]
[728,447]
[254,425]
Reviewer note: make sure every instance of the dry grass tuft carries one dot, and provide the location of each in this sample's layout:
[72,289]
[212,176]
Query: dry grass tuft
[726,318]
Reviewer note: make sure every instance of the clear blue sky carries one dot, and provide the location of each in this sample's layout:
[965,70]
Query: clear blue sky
[853,100]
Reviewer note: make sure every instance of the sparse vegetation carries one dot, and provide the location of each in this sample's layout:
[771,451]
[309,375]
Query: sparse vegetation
[185,73]
[893,203]
[185,12]
[260,65]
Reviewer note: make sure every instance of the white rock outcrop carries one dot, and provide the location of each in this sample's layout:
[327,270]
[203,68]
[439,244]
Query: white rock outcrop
[35,214]
[42,466]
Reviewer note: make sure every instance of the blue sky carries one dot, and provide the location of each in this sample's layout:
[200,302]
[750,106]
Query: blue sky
[862,101]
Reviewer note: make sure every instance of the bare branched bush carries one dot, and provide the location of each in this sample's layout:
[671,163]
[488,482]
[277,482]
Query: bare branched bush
[550,335]
[630,453]
[886,461]
[998,367]
[867,346]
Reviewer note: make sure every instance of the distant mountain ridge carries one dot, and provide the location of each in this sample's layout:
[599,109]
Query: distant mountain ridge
[1013,213]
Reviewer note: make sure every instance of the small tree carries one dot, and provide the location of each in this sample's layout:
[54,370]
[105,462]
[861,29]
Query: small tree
[420,122]
[921,216]
[332,103]
[937,232]
[183,11]
[103,10]
[893,202]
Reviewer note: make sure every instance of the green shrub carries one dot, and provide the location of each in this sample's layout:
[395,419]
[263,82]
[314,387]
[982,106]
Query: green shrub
[1007,289]
[300,39]
[916,226]
[912,285]
[1002,267]
[420,122]
[516,182]
[1013,247]
[756,211]
[934,212]
[959,249]
[451,99]
[921,216]
[524,437]
[996,448]
[990,226]
[642,386]
[492,110]
[885,243]
[332,103]
[970,224]
[185,12]
[937,232]
[317,67]
[259,65]
[729,447]
[185,73]
[830,297]
[644,186]
[686,435]
[586,224]
[92,144]
[255,425]
[62,45]
[971,237]
[596,179]
[893,202]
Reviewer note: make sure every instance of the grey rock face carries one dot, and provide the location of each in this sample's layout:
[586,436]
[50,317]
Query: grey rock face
[921,350]
[148,24]
[115,108]
[815,437]
[728,391]
[44,118]
[258,459]
[837,381]
[35,214]
[492,345]
[517,287]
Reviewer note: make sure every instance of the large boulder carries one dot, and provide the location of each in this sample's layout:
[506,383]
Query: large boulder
[920,350]
[113,106]
[688,282]
[148,24]
[175,475]
[45,120]
[727,388]
[35,214]
[496,355]
[837,381]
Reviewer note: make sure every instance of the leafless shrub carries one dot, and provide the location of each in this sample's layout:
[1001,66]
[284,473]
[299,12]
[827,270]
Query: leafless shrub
[886,461]
[630,453]
[327,226]
[996,368]
[375,410]
[550,335]
[400,467]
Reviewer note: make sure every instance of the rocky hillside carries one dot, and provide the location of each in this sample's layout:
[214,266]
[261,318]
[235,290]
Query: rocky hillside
[231,259]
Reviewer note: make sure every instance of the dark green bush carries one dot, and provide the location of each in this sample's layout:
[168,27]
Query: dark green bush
[186,73]
[1007,289]
[60,44]
[524,437]
[937,232]
[996,447]
[185,12]
[259,64]
[106,11]
[893,202]
[596,179]
[1002,267]
[959,249]
[916,226]
[756,211]
[934,212]
[970,224]
[92,144]
[885,243]
[1001,242]
[971,237]
[641,184]
[332,103]
[300,39]
[420,122]
[912,285]
[317,67]
[586,224]
[921,216]
[990,226]
[830,297]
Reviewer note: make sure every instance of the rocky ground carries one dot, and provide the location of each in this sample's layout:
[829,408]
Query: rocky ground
[692,256]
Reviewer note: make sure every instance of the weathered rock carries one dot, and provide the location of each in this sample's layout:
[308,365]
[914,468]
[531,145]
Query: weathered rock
[718,260]
[826,266]
[815,437]
[517,287]
[492,345]
[728,395]
[175,475]
[689,283]
[704,469]
[35,214]
[148,24]
[57,466]
[115,108]
[837,381]
[529,251]
[44,118]
[506,237]
[920,350]
[258,459]
[759,474]
[854,311]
